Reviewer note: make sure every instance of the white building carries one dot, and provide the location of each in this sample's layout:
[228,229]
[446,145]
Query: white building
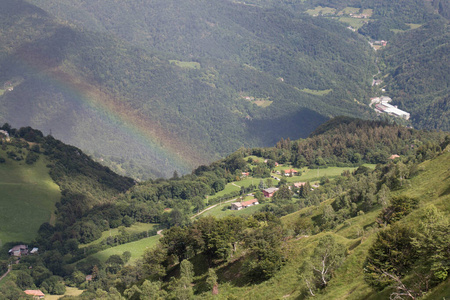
[382,106]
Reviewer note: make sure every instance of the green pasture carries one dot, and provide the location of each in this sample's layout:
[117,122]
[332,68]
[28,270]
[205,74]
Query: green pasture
[136,249]
[186,64]
[414,26]
[70,291]
[228,189]
[349,10]
[27,199]
[263,103]
[319,10]
[316,174]
[317,92]
[135,228]
[368,12]
[354,22]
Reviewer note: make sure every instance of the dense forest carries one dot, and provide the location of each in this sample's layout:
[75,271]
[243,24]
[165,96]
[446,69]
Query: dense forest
[422,84]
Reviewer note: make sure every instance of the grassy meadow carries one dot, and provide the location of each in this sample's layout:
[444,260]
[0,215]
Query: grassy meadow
[224,210]
[25,191]
[135,228]
[70,291]
[136,249]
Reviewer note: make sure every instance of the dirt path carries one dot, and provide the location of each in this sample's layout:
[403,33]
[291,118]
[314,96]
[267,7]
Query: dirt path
[7,272]
[211,207]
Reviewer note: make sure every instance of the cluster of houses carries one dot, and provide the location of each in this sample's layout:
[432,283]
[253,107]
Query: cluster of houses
[382,106]
[20,250]
[268,193]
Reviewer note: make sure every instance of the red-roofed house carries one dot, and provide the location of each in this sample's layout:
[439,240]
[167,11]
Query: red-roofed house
[248,203]
[288,172]
[245,204]
[37,294]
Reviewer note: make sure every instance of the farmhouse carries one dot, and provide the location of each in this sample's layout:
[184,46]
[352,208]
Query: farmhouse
[269,192]
[290,171]
[299,184]
[18,250]
[245,204]
[37,294]
[236,206]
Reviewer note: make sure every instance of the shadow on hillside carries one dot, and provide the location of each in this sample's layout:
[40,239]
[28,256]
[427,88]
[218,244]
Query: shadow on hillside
[446,192]
[298,124]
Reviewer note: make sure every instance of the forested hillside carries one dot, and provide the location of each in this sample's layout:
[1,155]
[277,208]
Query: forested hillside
[347,217]
[417,64]
[180,87]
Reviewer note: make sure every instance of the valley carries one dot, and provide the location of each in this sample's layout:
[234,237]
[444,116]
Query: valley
[220,149]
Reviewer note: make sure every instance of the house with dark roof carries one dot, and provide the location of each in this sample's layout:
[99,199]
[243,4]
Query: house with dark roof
[269,192]
[18,250]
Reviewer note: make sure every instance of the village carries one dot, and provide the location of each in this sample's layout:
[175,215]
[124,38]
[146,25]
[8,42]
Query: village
[269,192]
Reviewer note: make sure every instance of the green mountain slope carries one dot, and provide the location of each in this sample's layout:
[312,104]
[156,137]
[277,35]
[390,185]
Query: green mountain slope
[38,174]
[27,197]
[417,68]
[180,87]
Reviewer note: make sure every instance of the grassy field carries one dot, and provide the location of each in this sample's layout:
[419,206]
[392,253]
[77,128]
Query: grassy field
[70,291]
[349,10]
[317,174]
[414,26]
[317,92]
[319,10]
[262,103]
[135,228]
[186,64]
[136,248]
[354,22]
[25,191]
[228,189]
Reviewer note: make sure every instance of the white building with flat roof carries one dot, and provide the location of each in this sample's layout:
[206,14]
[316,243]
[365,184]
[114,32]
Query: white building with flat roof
[382,106]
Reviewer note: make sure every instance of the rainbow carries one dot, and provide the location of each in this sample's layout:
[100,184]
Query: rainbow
[121,116]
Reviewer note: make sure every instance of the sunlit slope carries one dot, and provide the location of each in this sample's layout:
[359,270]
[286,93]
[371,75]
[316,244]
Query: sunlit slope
[27,199]
[430,186]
